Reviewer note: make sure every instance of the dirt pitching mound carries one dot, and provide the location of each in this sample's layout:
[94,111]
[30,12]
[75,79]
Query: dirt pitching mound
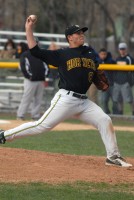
[19,165]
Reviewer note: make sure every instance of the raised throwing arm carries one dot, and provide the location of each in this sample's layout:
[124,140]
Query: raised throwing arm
[29,33]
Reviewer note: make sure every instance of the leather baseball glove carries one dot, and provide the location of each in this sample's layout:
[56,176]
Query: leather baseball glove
[100,80]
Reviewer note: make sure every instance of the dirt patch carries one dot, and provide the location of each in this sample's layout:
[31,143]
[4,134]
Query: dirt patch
[19,165]
[62,126]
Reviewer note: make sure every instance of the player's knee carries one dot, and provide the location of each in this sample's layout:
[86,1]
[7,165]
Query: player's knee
[42,127]
[105,124]
[106,119]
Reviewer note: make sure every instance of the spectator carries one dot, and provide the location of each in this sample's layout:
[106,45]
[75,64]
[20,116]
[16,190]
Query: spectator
[34,71]
[53,46]
[122,84]
[9,45]
[9,50]
[105,57]
[53,75]
[20,48]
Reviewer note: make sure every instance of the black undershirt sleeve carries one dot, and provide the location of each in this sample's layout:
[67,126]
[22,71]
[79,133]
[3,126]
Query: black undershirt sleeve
[50,57]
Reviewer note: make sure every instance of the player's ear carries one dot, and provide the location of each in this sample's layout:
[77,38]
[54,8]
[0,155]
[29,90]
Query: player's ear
[69,37]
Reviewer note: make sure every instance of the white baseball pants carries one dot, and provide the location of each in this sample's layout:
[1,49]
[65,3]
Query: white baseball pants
[64,106]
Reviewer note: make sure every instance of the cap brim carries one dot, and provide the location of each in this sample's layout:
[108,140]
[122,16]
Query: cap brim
[84,29]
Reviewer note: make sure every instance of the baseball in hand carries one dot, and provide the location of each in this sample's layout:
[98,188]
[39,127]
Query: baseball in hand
[33,18]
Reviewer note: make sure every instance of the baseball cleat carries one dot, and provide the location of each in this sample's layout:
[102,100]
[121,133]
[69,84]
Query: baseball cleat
[117,161]
[2,138]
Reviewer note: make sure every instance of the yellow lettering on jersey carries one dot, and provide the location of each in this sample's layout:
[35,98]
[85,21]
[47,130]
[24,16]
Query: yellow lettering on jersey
[73,63]
[90,77]
[76,62]
[88,63]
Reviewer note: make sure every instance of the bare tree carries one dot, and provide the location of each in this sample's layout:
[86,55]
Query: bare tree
[2,11]
[107,16]
[25,12]
[103,17]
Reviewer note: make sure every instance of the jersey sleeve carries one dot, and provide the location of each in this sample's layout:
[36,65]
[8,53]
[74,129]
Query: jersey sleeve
[50,57]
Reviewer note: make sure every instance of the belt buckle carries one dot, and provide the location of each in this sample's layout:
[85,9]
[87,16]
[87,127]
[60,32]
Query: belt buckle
[83,97]
[80,96]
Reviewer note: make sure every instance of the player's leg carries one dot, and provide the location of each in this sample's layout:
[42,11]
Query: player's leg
[94,115]
[37,100]
[111,97]
[62,107]
[127,94]
[28,94]
[116,98]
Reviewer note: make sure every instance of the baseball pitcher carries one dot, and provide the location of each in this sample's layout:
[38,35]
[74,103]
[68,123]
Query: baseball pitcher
[77,66]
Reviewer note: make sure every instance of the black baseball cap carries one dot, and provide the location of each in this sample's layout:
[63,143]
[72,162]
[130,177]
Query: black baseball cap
[74,29]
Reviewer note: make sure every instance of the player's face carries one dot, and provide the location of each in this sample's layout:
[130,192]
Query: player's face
[103,55]
[76,39]
[123,51]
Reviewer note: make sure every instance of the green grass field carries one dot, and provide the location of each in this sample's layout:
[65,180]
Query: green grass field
[76,191]
[70,142]
[74,142]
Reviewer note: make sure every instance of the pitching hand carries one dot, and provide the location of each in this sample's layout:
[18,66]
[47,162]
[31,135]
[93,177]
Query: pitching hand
[29,22]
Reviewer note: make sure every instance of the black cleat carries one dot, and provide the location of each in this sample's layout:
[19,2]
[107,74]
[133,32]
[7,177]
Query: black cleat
[117,161]
[2,138]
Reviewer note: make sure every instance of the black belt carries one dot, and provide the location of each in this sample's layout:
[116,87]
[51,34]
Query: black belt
[79,96]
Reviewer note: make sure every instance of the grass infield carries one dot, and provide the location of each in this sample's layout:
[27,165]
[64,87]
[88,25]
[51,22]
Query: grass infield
[82,142]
